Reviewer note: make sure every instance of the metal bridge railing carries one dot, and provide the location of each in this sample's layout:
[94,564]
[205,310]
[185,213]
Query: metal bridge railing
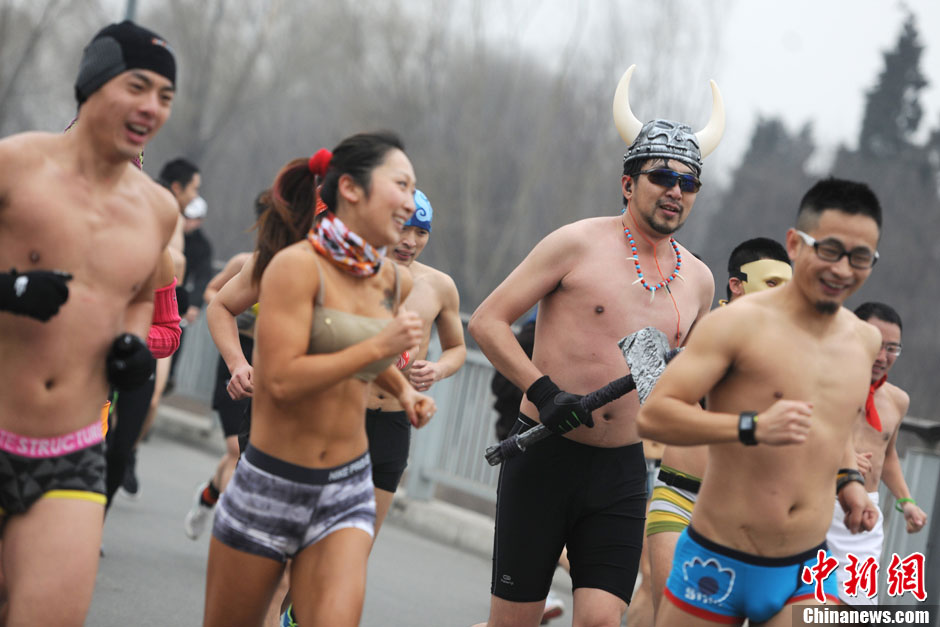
[449,450]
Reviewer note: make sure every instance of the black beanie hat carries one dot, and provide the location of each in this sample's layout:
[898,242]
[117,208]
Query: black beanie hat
[118,48]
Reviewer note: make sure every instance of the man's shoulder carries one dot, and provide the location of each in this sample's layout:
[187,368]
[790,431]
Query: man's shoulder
[582,236]
[740,316]
[868,333]
[898,396]
[27,148]
[438,279]
[158,197]
[32,139]
[689,258]
[597,223]
[698,272]
[593,226]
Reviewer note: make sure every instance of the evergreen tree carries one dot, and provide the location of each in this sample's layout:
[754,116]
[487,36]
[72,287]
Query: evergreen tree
[893,111]
[764,194]
[904,175]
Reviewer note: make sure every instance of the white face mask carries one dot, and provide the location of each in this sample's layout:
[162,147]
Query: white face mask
[196,208]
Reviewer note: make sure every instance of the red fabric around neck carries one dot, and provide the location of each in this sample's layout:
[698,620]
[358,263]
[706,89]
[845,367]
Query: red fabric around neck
[871,414]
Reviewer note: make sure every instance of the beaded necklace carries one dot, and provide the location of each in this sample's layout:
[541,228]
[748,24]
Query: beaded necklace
[639,271]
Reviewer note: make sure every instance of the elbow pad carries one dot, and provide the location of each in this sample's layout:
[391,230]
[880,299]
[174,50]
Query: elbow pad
[164,336]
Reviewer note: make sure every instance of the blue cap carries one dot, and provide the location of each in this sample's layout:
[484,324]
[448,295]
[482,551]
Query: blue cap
[421,218]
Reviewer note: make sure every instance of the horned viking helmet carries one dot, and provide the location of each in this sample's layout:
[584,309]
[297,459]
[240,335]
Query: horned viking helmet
[665,139]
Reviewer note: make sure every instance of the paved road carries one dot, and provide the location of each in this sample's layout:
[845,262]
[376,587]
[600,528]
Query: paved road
[153,575]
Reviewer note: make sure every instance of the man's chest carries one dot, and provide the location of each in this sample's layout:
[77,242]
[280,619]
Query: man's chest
[424,301]
[97,241]
[888,414]
[833,375]
[610,298]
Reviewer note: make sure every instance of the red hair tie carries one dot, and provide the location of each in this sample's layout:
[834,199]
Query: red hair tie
[319,162]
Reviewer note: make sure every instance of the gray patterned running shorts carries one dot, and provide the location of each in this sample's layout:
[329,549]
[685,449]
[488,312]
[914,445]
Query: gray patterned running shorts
[275,509]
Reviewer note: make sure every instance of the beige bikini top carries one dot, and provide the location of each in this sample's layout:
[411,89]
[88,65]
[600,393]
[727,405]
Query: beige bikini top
[333,330]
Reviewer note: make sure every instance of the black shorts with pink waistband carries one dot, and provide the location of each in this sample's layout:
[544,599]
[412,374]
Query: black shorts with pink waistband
[75,470]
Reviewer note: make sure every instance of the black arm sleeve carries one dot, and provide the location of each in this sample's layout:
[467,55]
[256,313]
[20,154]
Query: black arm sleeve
[198,252]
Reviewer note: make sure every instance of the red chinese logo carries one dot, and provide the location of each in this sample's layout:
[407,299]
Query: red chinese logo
[862,575]
[818,573]
[907,575]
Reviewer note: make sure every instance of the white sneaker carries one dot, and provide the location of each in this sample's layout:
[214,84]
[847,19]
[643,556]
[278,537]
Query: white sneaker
[554,607]
[198,515]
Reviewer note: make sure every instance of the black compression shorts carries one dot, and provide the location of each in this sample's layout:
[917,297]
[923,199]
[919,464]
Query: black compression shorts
[562,493]
[231,412]
[389,439]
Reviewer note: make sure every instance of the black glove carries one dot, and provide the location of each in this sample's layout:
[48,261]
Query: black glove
[37,294]
[182,300]
[559,411]
[130,362]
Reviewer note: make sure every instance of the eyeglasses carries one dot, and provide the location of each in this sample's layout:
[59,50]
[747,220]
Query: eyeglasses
[831,250]
[668,178]
[892,349]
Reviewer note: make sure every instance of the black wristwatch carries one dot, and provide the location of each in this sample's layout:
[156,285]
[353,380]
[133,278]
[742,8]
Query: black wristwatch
[747,425]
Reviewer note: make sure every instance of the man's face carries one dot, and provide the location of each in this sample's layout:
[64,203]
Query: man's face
[186,193]
[129,109]
[663,209]
[827,284]
[890,341]
[409,247]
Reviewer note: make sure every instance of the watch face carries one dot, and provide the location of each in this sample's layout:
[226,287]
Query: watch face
[746,428]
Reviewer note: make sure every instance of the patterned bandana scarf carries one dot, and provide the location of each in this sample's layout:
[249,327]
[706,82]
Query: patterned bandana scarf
[343,248]
[871,414]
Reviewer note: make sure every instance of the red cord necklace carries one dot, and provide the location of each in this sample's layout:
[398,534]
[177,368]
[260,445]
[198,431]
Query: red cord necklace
[664,284]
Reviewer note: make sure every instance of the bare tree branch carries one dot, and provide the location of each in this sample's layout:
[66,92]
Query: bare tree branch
[11,82]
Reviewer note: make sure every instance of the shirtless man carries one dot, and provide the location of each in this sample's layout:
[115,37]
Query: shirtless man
[435,299]
[75,203]
[587,490]
[875,439]
[753,266]
[785,374]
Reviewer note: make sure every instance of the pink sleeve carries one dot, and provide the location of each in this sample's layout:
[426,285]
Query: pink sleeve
[164,336]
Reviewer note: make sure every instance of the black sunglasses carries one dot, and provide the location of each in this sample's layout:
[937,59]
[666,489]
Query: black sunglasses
[668,178]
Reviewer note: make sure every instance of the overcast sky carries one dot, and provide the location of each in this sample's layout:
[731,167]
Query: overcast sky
[819,59]
[800,60]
